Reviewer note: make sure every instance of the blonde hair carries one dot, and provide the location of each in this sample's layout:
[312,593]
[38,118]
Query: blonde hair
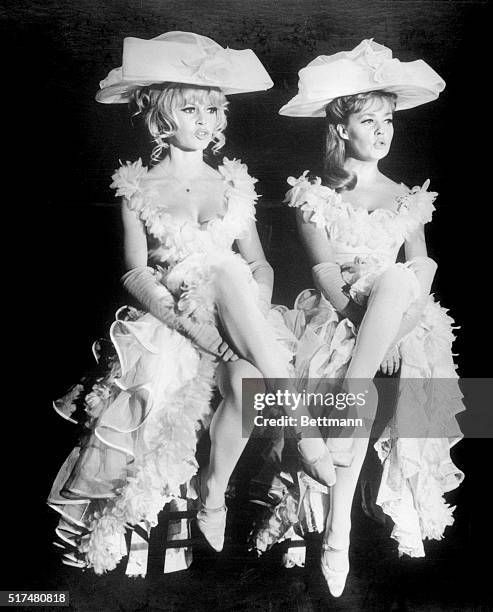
[337,111]
[158,103]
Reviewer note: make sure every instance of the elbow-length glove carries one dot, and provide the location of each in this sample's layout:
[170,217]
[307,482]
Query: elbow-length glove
[142,284]
[425,269]
[264,277]
[329,281]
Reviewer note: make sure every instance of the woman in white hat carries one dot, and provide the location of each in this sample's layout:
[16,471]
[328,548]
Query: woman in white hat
[181,218]
[378,313]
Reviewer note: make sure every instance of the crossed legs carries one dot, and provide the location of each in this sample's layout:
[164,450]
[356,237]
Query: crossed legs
[391,296]
[261,356]
[227,442]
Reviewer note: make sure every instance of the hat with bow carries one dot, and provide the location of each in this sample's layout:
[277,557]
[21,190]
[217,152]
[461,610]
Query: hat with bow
[182,57]
[368,67]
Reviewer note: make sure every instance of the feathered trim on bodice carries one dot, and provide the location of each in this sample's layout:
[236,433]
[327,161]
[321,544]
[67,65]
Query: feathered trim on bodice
[179,238]
[355,227]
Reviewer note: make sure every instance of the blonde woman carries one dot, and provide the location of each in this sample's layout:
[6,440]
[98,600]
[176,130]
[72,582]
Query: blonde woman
[377,314]
[205,310]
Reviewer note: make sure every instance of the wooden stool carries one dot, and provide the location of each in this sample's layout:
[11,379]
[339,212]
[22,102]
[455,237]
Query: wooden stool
[168,546]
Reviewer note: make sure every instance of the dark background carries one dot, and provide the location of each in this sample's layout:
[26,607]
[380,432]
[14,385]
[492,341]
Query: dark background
[67,224]
[70,144]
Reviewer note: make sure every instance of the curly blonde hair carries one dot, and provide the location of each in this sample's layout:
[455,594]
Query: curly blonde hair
[157,105]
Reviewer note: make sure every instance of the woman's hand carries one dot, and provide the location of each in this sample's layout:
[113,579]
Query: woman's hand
[207,337]
[392,361]
[352,271]
[226,353]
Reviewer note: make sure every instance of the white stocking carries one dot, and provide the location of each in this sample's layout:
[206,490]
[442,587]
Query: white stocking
[227,441]
[391,296]
[389,299]
[255,342]
[253,337]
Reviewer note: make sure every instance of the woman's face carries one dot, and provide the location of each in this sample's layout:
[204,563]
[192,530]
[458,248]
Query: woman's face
[369,132]
[195,124]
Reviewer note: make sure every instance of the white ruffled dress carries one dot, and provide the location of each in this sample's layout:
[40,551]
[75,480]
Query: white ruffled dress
[417,471]
[143,414]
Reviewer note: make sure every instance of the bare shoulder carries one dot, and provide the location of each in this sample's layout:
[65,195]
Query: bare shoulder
[155,173]
[391,188]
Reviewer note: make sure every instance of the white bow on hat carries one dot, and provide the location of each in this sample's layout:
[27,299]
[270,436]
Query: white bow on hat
[183,57]
[368,67]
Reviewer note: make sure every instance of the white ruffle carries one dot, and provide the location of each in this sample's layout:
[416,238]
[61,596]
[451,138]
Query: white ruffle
[127,181]
[179,238]
[380,229]
[192,281]
[144,413]
[418,471]
[188,252]
[148,432]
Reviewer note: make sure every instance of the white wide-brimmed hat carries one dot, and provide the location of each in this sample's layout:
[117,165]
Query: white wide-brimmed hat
[368,67]
[182,57]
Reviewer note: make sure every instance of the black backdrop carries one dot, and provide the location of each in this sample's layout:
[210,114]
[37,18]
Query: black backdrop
[70,145]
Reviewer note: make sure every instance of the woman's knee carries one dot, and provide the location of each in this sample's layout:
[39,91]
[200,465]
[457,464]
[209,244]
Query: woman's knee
[397,282]
[227,276]
[222,272]
[231,382]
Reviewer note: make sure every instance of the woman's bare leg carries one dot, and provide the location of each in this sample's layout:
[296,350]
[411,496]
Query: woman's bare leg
[390,298]
[254,340]
[226,432]
[338,524]
[244,323]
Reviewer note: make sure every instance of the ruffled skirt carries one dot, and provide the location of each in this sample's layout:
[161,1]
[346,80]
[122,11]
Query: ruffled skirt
[417,471]
[141,419]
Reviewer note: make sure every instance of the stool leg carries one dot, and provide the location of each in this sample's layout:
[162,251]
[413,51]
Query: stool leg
[138,550]
[179,530]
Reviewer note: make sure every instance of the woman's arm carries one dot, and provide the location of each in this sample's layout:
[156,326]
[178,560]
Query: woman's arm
[141,282]
[415,245]
[424,268]
[326,272]
[252,252]
[134,239]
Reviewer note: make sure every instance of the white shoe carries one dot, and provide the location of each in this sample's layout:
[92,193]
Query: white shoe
[212,524]
[211,521]
[321,468]
[336,579]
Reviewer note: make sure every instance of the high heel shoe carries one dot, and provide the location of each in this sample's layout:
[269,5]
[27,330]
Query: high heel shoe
[336,579]
[211,521]
[320,469]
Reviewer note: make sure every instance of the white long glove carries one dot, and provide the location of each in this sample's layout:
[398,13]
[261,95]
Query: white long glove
[264,277]
[329,281]
[143,285]
[425,269]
